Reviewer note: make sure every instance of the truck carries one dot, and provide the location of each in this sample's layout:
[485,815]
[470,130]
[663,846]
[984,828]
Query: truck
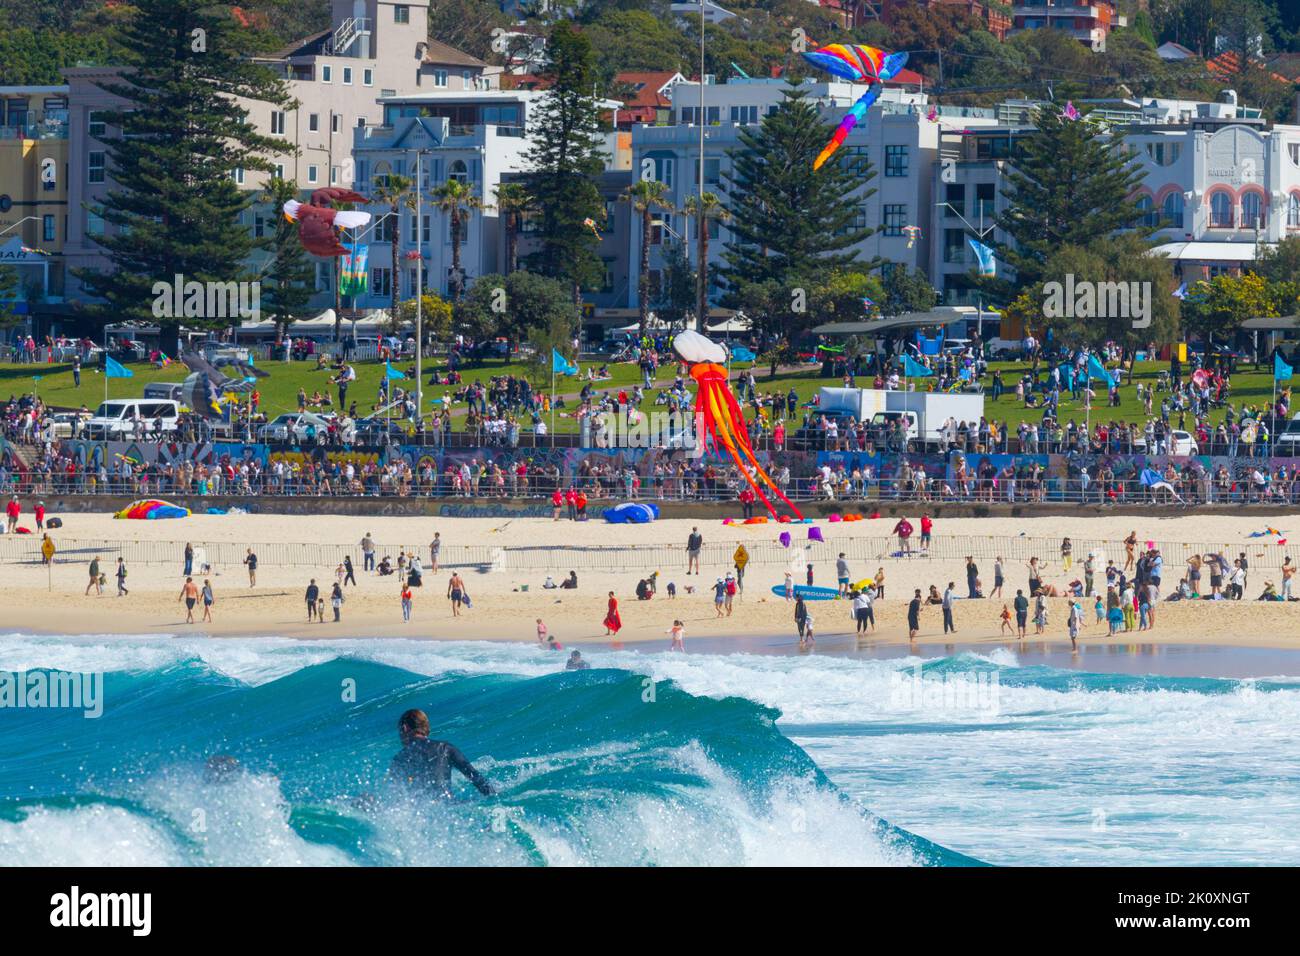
[925,412]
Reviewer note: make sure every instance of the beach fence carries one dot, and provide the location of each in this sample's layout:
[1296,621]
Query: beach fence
[864,553]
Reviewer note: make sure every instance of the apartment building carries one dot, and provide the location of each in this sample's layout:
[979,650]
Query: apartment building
[1088,22]
[34,195]
[374,49]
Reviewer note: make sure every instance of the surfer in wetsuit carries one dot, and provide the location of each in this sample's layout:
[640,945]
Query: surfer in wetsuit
[425,764]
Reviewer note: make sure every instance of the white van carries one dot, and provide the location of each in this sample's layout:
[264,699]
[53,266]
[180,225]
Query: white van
[115,420]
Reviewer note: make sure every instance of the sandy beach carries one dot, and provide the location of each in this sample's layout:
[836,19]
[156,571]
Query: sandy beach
[53,601]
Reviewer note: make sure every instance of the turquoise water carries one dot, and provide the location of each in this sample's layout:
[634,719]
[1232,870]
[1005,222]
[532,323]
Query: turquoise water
[648,759]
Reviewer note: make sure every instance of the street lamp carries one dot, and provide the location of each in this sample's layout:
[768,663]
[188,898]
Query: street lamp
[982,231]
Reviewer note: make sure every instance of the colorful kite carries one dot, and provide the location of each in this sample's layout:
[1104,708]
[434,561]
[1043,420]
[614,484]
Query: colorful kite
[1070,112]
[318,219]
[858,64]
[149,509]
[912,233]
[591,224]
[719,413]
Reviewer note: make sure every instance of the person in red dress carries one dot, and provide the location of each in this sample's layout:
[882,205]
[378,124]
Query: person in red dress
[613,623]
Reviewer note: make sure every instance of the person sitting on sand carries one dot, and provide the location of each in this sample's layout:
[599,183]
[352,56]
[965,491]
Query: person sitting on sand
[571,582]
[1269,593]
[385,567]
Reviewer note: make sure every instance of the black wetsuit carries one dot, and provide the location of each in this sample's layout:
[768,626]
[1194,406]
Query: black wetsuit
[426,764]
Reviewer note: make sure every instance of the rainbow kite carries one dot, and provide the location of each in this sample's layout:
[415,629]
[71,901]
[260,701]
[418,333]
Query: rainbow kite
[151,509]
[858,64]
[718,412]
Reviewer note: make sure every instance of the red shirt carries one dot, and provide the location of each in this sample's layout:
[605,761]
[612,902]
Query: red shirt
[926,525]
[40,512]
[557,499]
[12,509]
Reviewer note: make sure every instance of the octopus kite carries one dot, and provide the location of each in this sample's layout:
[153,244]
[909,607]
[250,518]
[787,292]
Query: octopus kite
[719,413]
[318,220]
[858,64]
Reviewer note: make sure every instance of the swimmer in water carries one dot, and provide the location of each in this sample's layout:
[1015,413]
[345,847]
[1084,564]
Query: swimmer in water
[425,765]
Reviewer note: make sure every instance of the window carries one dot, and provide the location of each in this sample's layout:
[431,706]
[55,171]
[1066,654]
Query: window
[327,74]
[334,175]
[466,78]
[458,171]
[744,115]
[47,233]
[313,122]
[95,125]
[464,229]
[381,281]
[95,167]
[401,13]
[277,123]
[259,227]
[94,224]
[1164,154]
[712,171]
[954,246]
[439,77]
[1294,150]
[984,200]
[279,170]
[1252,211]
[238,175]
[1148,210]
[361,122]
[1221,211]
[954,194]
[663,169]
[607,279]
[334,122]
[1171,210]
[368,77]
[311,174]
[895,160]
[325,276]
[895,219]
[347,76]
[854,159]
[1293,211]
[412,281]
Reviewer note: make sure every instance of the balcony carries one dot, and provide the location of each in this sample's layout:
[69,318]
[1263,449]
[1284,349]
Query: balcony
[52,124]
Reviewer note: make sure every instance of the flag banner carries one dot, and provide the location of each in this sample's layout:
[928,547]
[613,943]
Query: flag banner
[914,369]
[115,369]
[1097,370]
[560,365]
[988,266]
[1281,370]
[390,372]
[352,271]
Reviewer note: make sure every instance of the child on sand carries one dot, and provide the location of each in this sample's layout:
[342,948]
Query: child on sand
[1099,610]
[678,632]
[1006,620]
[406,602]
[807,639]
[789,586]
[541,632]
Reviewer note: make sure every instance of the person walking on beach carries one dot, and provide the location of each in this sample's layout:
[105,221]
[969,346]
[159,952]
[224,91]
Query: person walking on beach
[949,596]
[914,615]
[879,580]
[694,542]
[121,578]
[349,574]
[456,593]
[12,512]
[678,634]
[904,531]
[972,577]
[251,560]
[789,587]
[730,587]
[862,610]
[842,574]
[39,514]
[189,559]
[1072,624]
[613,622]
[336,600]
[800,616]
[1067,555]
[1005,617]
[927,526]
[1089,570]
[719,597]
[1035,576]
[367,553]
[1021,604]
[435,550]
[406,601]
[1130,547]
[313,593]
[1040,612]
[209,599]
[94,577]
[190,595]
[999,576]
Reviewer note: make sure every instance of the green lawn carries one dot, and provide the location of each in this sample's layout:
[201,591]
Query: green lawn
[279,391]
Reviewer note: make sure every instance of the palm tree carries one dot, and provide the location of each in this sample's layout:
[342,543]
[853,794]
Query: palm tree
[702,208]
[645,196]
[513,199]
[457,200]
[396,192]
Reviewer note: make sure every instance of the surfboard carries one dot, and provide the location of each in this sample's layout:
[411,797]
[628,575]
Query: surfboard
[808,593]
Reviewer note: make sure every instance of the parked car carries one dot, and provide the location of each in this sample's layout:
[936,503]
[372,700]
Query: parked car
[301,427]
[68,424]
[378,431]
[1178,443]
[116,419]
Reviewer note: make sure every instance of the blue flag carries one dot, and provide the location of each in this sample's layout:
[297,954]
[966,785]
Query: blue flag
[115,369]
[390,372]
[1280,369]
[987,265]
[1097,370]
[914,369]
[562,365]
